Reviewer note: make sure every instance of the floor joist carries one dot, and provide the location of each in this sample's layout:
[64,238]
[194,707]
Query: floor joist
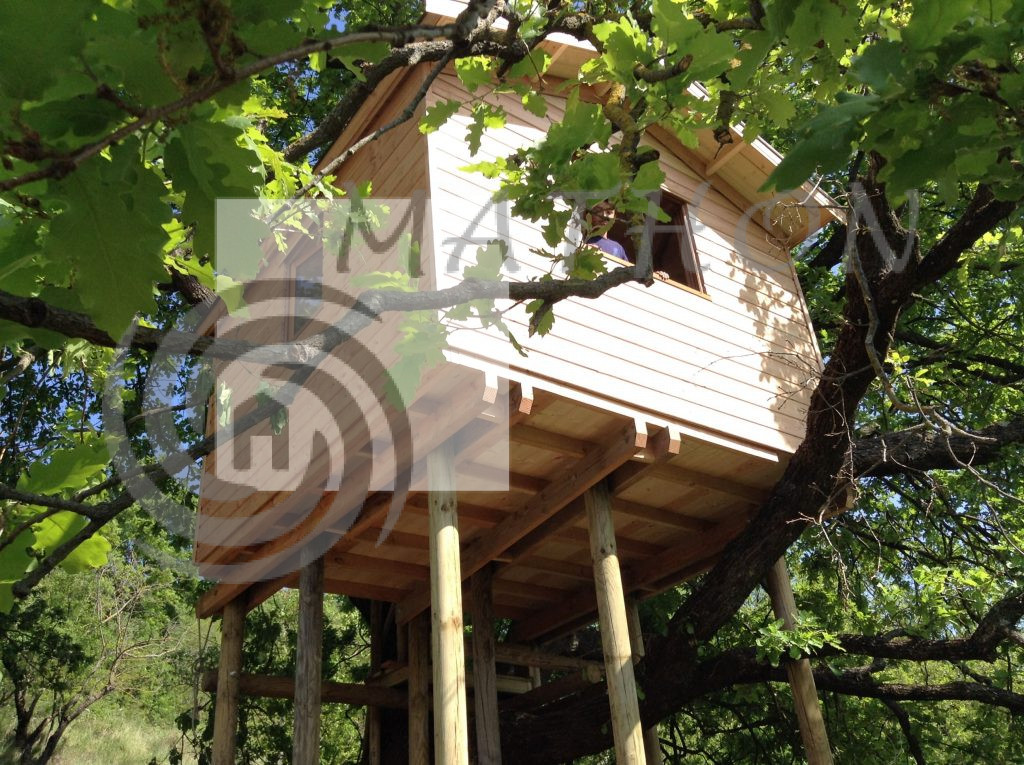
[599,461]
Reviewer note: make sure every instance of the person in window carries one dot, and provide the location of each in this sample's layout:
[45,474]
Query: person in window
[602,216]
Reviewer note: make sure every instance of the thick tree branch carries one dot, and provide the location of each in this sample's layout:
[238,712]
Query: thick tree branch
[922,449]
[982,215]
[961,691]
[33,313]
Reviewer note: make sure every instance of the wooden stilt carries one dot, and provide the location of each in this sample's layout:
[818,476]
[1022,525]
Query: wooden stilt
[652,745]
[535,677]
[308,679]
[225,720]
[636,635]
[485,676]
[801,679]
[376,651]
[611,611]
[419,690]
[450,724]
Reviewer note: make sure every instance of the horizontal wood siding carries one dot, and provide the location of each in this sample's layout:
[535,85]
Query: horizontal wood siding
[395,163]
[742,362]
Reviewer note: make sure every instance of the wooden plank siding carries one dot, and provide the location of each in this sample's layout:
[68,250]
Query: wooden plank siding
[742,363]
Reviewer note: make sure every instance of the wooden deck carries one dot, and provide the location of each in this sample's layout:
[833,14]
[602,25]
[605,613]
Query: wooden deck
[676,500]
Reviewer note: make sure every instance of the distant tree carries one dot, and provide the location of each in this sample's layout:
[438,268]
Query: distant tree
[78,640]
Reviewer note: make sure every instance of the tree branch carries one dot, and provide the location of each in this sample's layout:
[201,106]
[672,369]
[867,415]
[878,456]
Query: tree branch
[403,38]
[913,744]
[470,27]
[922,449]
[982,214]
[34,313]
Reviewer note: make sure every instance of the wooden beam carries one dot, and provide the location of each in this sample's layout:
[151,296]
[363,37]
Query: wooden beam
[225,719]
[392,674]
[373,563]
[485,681]
[564,568]
[263,591]
[536,538]
[419,690]
[520,404]
[724,156]
[529,435]
[450,714]
[801,679]
[660,568]
[211,602]
[611,610]
[634,472]
[272,687]
[692,548]
[660,516]
[508,683]
[339,586]
[528,656]
[308,677]
[634,547]
[214,600]
[600,460]
[561,687]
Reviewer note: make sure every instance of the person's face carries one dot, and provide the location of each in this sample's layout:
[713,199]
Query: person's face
[601,216]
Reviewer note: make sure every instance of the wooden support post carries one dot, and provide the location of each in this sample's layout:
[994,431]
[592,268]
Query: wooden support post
[485,674]
[652,744]
[636,635]
[801,679]
[451,740]
[611,612]
[419,690]
[308,677]
[536,680]
[373,725]
[225,719]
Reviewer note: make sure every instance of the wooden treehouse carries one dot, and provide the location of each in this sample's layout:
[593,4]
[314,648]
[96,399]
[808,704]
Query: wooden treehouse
[639,436]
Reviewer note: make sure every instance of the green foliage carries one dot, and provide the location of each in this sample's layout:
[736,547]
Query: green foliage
[774,643]
[438,114]
[114,634]
[474,71]
[60,472]
[928,93]
[205,162]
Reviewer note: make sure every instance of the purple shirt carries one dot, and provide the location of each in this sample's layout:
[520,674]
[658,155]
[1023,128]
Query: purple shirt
[609,246]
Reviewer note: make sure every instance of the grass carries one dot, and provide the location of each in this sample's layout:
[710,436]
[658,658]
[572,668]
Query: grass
[104,737]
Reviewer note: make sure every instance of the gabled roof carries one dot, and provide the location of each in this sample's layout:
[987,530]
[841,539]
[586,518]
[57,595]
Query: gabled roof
[738,170]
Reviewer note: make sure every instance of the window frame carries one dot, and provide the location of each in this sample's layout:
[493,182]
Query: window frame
[688,275]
